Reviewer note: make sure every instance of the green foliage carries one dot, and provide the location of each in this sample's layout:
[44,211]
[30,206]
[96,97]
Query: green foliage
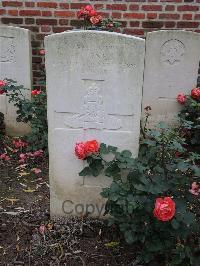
[2,130]
[33,112]
[163,168]
[190,122]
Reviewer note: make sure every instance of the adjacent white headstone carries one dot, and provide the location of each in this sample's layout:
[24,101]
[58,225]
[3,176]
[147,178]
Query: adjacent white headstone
[94,86]
[15,64]
[171,67]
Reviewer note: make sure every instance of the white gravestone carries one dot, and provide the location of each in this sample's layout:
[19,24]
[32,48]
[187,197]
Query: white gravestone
[94,87]
[15,64]
[171,67]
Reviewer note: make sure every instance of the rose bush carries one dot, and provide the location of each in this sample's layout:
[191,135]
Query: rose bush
[153,198]
[33,112]
[190,119]
[93,20]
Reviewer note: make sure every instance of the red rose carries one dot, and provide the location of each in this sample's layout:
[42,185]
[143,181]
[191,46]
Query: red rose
[2,83]
[91,146]
[86,12]
[92,13]
[35,92]
[195,93]
[181,98]
[96,19]
[80,151]
[164,209]
[2,92]
[88,8]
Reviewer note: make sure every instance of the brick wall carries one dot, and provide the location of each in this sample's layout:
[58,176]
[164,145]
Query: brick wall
[137,18]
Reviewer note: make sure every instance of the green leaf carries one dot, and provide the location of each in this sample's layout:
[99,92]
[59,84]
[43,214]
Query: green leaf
[126,153]
[189,218]
[86,171]
[175,224]
[129,237]
[103,149]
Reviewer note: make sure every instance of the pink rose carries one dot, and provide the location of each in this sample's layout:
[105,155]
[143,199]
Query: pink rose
[2,83]
[42,52]
[181,98]
[195,189]
[195,93]
[80,150]
[96,19]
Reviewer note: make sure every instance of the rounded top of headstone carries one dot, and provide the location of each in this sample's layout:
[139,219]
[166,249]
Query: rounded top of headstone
[13,29]
[93,32]
[173,32]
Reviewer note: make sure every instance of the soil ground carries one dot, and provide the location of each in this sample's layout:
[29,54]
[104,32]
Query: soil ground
[29,237]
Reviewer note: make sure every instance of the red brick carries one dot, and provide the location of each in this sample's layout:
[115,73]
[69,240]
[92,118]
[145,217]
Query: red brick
[37,59]
[152,24]
[169,16]
[98,6]
[151,15]
[134,7]
[2,11]
[29,13]
[116,15]
[29,20]
[45,28]
[78,5]
[64,14]
[187,8]
[64,6]
[152,7]
[46,13]
[172,1]
[170,24]
[40,36]
[121,7]
[187,16]
[13,12]
[11,3]
[43,21]
[170,8]
[139,32]
[134,15]
[47,4]
[63,21]
[29,4]
[187,24]
[32,28]
[134,23]
[59,29]
[104,14]
[197,17]
[12,20]
[123,24]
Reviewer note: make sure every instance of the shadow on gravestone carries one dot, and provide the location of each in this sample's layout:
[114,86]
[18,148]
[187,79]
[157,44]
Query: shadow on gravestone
[94,91]
[171,67]
[15,64]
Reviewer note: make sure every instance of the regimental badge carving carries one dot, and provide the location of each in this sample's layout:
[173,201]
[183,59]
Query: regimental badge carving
[172,52]
[7,50]
[93,115]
